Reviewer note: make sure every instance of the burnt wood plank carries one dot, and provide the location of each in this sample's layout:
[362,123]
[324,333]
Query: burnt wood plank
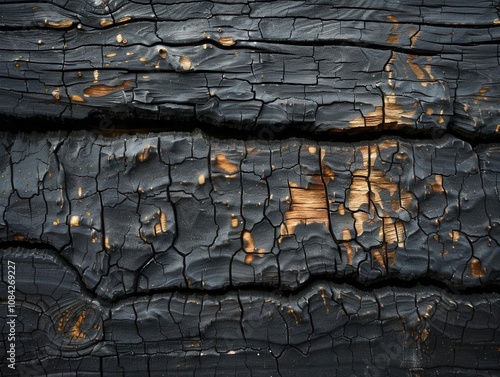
[182,254]
[140,213]
[410,66]
[326,328]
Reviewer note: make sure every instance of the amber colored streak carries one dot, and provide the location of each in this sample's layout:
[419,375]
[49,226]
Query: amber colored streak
[105,22]
[391,257]
[248,242]
[227,41]
[393,37]
[326,172]
[223,163]
[392,19]
[372,119]
[249,247]
[394,113]
[358,192]
[417,71]
[371,208]
[378,257]
[362,218]
[346,235]
[76,332]
[438,184]
[63,319]
[76,98]
[143,156]
[161,226]
[74,221]
[414,39]
[389,116]
[481,96]
[394,231]
[428,69]
[363,189]
[59,24]
[349,252]
[454,235]
[379,183]
[308,206]
[323,296]
[102,90]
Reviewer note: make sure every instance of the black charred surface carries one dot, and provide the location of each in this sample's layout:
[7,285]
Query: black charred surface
[175,210]
[326,328]
[411,65]
[262,188]
[181,254]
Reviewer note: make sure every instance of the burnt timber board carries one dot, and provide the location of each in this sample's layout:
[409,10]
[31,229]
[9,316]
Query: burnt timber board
[151,236]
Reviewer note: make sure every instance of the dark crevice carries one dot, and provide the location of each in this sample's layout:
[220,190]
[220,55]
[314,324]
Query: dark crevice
[348,43]
[29,245]
[115,126]
[422,284]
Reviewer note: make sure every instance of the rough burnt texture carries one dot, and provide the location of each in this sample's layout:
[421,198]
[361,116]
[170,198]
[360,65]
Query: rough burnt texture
[232,254]
[367,246]
[324,329]
[143,213]
[413,65]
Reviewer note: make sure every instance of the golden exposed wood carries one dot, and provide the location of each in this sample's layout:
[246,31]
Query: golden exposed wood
[393,37]
[105,22]
[373,190]
[63,24]
[249,247]
[454,235]
[76,332]
[223,163]
[76,98]
[185,62]
[372,119]
[74,221]
[201,179]
[476,268]
[161,225]
[438,183]
[417,71]
[227,41]
[378,257]
[308,205]
[56,93]
[101,90]
[350,253]
[143,156]
[235,222]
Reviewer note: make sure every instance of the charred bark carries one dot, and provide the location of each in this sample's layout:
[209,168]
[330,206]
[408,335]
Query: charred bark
[412,66]
[178,247]
[146,234]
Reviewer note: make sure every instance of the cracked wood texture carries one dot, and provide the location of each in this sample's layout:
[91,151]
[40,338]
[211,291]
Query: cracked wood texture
[185,254]
[407,65]
[369,246]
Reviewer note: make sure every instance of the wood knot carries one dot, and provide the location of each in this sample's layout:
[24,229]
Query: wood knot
[76,325]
